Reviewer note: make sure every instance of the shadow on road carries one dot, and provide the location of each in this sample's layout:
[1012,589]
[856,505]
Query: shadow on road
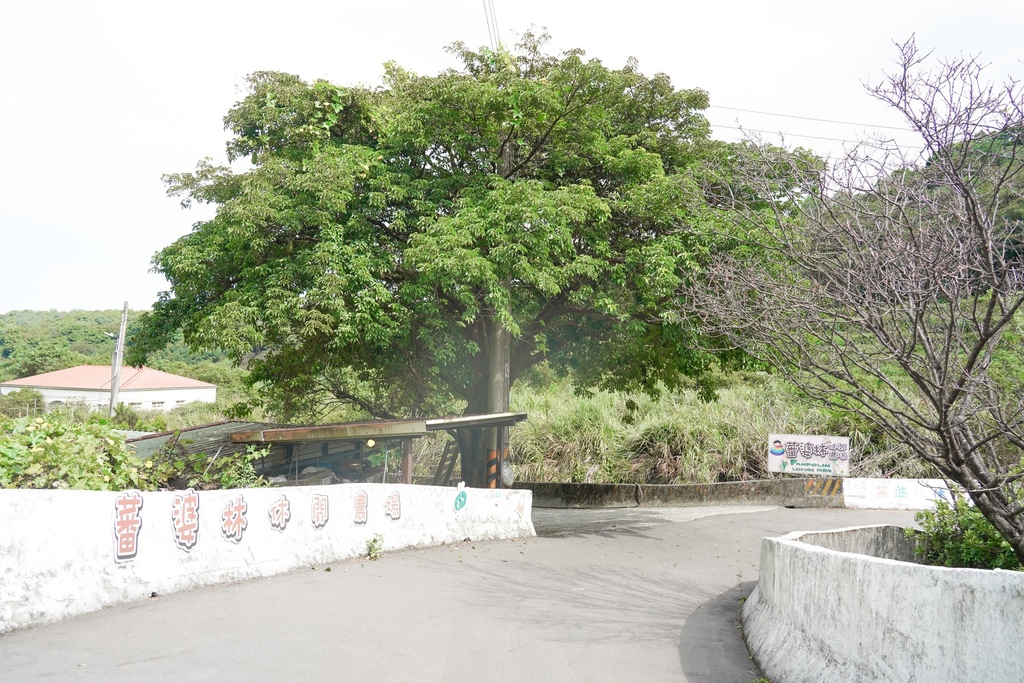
[605,522]
[711,647]
[591,604]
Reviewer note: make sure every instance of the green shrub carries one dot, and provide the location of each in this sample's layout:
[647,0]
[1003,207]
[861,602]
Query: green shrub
[178,469]
[56,452]
[958,535]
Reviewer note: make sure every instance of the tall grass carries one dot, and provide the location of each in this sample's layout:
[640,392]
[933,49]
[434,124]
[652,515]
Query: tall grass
[677,438]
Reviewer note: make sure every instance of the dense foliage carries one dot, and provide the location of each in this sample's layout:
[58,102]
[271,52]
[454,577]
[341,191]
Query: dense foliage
[57,451]
[34,342]
[53,451]
[677,438]
[958,535]
[414,249]
[180,469]
[21,403]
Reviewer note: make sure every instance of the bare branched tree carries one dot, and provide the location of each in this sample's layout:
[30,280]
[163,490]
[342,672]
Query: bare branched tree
[889,284]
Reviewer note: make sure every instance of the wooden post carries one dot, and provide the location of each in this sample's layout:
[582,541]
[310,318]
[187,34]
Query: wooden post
[406,461]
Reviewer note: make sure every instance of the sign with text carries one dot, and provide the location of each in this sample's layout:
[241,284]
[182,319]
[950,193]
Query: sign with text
[808,454]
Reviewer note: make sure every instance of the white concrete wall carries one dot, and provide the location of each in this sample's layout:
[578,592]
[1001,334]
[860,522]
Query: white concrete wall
[169,397]
[823,616]
[59,549]
[98,399]
[894,494]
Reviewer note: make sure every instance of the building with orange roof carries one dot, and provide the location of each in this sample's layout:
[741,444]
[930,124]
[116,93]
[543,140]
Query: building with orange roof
[141,388]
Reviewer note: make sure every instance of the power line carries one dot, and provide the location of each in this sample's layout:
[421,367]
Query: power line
[776,132]
[492,25]
[808,118]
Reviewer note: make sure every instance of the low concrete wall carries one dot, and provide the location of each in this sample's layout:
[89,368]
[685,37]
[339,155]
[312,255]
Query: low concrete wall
[68,552]
[821,615]
[885,494]
[894,494]
[816,492]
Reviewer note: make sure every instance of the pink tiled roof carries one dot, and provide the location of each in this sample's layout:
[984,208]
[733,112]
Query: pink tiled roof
[98,377]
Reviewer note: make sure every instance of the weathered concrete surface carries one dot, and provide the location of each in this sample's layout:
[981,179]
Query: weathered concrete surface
[884,541]
[823,616]
[614,595]
[894,494]
[816,492]
[60,551]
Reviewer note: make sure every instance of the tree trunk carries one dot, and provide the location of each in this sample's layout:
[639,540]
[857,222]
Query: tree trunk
[479,447]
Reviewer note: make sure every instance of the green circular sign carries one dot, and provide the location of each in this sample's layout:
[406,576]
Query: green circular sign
[460,501]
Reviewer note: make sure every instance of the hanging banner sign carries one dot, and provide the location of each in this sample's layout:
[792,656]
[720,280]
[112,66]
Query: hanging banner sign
[808,454]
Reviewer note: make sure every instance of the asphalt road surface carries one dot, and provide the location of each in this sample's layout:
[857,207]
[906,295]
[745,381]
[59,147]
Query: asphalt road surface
[636,594]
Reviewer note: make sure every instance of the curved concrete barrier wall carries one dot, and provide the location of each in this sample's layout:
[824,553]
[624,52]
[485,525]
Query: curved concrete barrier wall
[68,552]
[821,615]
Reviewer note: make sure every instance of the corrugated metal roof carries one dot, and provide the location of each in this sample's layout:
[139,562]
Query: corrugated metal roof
[203,439]
[97,377]
[375,429]
[348,430]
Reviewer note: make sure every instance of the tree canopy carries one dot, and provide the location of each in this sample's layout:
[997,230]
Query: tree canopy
[398,248]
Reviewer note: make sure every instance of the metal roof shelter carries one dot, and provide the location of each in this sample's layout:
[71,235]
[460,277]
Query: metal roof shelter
[209,438]
[339,448]
[361,432]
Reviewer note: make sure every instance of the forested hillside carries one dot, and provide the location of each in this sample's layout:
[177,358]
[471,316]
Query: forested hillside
[34,342]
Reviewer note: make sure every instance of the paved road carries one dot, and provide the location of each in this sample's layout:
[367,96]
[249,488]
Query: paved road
[600,595]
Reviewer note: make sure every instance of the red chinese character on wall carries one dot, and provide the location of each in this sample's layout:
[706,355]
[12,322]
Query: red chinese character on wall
[232,520]
[361,501]
[320,513]
[393,506]
[185,519]
[127,523]
[279,513]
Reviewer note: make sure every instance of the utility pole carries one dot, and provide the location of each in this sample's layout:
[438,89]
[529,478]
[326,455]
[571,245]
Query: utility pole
[115,366]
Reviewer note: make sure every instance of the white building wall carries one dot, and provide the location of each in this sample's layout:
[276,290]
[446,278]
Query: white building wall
[146,399]
[165,399]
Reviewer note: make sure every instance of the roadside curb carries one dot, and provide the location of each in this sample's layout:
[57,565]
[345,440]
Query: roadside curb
[818,493]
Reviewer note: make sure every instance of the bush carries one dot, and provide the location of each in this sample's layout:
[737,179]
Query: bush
[57,452]
[958,535]
[178,469]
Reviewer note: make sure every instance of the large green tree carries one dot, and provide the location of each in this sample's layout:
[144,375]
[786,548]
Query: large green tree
[413,249]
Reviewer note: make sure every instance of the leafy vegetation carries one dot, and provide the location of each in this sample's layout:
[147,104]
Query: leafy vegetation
[415,249]
[180,469]
[614,437]
[375,547]
[53,451]
[21,403]
[56,450]
[958,535]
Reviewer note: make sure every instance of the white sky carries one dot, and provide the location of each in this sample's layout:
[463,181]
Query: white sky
[101,98]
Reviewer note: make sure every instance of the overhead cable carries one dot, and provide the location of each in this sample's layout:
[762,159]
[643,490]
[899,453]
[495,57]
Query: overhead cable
[808,118]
